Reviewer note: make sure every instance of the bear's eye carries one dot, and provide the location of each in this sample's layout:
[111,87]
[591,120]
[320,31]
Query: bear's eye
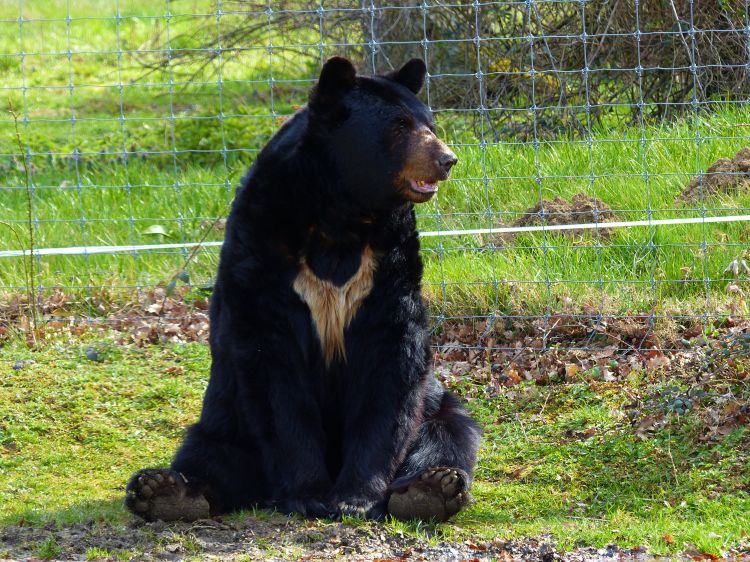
[402,123]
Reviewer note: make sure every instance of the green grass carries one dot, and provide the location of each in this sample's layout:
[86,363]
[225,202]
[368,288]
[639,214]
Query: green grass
[634,269]
[188,145]
[562,459]
[48,549]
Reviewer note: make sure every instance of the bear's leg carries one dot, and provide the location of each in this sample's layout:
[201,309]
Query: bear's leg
[207,477]
[433,481]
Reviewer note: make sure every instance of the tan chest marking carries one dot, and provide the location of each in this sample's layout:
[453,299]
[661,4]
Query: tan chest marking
[332,308]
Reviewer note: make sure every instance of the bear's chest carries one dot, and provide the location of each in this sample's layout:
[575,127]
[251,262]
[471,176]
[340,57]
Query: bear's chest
[332,307]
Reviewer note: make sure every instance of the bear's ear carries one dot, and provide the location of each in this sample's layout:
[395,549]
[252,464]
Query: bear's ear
[336,77]
[410,75]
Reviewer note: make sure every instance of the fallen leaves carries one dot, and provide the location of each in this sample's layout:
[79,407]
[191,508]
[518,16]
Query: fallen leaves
[648,425]
[581,435]
[724,419]
[657,359]
[571,371]
[163,318]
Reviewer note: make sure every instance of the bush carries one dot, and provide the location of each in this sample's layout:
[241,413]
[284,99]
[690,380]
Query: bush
[577,61]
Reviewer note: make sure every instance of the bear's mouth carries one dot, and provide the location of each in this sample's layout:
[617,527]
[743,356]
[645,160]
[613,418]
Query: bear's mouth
[424,187]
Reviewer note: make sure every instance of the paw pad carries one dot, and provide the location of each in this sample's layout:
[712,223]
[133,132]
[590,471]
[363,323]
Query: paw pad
[436,494]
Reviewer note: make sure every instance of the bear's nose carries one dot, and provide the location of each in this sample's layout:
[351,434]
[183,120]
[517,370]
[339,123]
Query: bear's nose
[447,160]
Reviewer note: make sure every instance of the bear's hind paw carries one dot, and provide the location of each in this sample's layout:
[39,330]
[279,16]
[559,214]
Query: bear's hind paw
[434,495]
[155,493]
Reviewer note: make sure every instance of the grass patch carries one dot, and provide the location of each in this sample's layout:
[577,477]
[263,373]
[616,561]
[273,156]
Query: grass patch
[565,459]
[49,549]
[73,429]
[679,269]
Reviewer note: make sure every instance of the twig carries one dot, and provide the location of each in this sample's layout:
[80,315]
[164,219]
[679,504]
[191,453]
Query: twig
[688,50]
[30,271]
[671,459]
[548,331]
[523,429]
[546,399]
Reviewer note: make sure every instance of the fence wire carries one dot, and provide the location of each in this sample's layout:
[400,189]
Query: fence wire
[604,154]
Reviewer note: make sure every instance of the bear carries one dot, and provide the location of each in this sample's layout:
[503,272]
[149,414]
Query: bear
[321,399]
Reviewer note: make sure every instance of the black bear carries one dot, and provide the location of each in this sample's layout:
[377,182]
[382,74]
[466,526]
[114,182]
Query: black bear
[321,399]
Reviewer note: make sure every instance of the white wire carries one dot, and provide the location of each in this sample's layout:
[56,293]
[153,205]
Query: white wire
[587,226]
[86,250]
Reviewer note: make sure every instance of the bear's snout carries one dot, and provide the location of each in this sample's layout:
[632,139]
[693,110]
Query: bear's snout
[447,160]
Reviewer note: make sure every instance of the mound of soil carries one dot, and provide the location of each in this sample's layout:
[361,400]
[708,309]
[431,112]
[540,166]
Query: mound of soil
[723,176]
[580,209]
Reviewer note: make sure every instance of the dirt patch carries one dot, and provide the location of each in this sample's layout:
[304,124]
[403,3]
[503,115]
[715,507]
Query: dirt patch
[580,209]
[729,176]
[277,538]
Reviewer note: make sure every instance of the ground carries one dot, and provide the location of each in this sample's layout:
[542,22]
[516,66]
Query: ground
[275,537]
[651,456]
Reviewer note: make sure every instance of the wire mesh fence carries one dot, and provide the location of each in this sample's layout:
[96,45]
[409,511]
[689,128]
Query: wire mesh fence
[601,195]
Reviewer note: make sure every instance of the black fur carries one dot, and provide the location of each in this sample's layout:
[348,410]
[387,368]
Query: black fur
[278,427]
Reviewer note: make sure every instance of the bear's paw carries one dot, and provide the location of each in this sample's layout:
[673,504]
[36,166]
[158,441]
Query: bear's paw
[155,493]
[434,495]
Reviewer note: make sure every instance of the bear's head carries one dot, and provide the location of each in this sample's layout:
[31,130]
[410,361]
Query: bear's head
[381,137]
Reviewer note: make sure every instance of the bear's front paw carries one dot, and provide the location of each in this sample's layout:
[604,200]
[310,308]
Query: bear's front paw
[155,493]
[436,494]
